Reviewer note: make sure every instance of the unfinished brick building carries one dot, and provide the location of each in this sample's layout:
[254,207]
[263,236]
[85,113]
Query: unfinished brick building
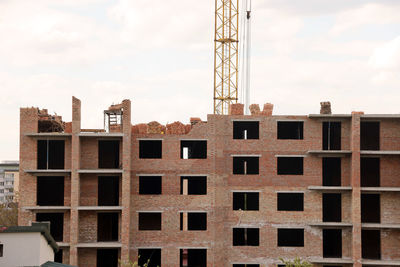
[235,190]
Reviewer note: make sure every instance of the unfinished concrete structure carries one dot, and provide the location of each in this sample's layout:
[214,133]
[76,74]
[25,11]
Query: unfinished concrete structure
[235,190]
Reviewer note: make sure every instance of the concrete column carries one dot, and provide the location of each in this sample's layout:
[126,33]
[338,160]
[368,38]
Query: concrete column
[75,183]
[355,183]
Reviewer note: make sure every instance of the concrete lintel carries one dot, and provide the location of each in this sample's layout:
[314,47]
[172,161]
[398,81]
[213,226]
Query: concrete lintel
[150,174]
[329,116]
[48,172]
[100,208]
[193,175]
[331,261]
[380,116]
[101,171]
[47,208]
[331,188]
[380,189]
[381,225]
[380,262]
[330,153]
[246,155]
[149,139]
[102,135]
[99,245]
[291,156]
[50,136]
[63,244]
[247,120]
[331,224]
[380,152]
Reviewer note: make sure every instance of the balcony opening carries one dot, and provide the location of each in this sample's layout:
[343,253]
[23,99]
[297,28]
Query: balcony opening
[150,185]
[150,257]
[150,149]
[331,207]
[331,135]
[332,243]
[291,201]
[370,135]
[371,244]
[246,130]
[56,221]
[370,172]
[108,191]
[290,130]
[246,265]
[193,258]
[193,149]
[193,221]
[370,208]
[245,201]
[107,227]
[290,165]
[50,191]
[246,165]
[290,237]
[193,185]
[331,171]
[150,221]
[109,154]
[50,154]
[246,237]
[58,256]
[107,258]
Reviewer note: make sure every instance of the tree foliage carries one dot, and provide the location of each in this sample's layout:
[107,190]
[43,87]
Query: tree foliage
[9,214]
[297,262]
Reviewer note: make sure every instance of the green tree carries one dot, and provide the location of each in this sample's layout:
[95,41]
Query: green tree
[133,264]
[297,262]
[9,213]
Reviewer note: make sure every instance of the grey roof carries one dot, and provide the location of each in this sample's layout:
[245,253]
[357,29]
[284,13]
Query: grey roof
[55,264]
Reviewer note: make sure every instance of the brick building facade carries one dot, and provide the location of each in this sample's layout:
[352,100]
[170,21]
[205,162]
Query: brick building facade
[235,190]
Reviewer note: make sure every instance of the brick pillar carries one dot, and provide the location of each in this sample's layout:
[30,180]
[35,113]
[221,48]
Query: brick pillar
[356,193]
[75,184]
[126,180]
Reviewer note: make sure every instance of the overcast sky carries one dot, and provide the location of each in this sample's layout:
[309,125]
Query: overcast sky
[159,54]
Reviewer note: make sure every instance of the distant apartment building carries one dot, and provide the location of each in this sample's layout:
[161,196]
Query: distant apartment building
[9,180]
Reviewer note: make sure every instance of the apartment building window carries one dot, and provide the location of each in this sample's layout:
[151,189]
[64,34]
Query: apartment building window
[193,149]
[58,256]
[1,250]
[371,244]
[332,243]
[108,191]
[370,135]
[150,257]
[149,221]
[370,208]
[56,221]
[290,130]
[246,165]
[331,171]
[290,165]
[192,257]
[50,154]
[109,154]
[246,130]
[331,207]
[290,237]
[246,237]
[193,221]
[193,185]
[331,135]
[150,149]
[370,172]
[1,190]
[150,185]
[107,226]
[246,201]
[290,201]
[107,258]
[50,191]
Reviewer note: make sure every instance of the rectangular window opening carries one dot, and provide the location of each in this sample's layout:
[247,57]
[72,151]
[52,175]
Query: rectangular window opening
[194,149]
[371,244]
[107,226]
[193,221]
[109,154]
[331,135]
[245,201]
[50,191]
[291,201]
[193,185]
[331,207]
[1,250]
[108,191]
[150,149]
[150,221]
[290,165]
[150,185]
[370,135]
[290,130]
[290,237]
[246,130]
[370,172]
[58,256]
[107,258]
[50,154]
[149,256]
[193,258]
[56,221]
[370,208]
[331,171]
[246,237]
[246,165]
[332,243]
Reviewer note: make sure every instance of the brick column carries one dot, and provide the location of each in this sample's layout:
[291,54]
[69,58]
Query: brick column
[356,193]
[126,180]
[75,184]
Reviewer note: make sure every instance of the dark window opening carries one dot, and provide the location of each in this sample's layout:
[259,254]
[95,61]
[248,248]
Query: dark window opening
[370,172]
[290,237]
[331,135]
[150,221]
[56,221]
[150,185]
[149,256]
[194,185]
[150,149]
[290,129]
[290,165]
[246,130]
[371,244]
[193,149]
[107,258]
[108,191]
[370,208]
[246,236]
[245,165]
[50,154]
[290,201]
[107,227]
[109,154]
[331,207]
[50,191]
[58,256]
[193,258]
[370,132]
[1,250]
[331,171]
[332,243]
[193,221]
[245,201]
[246,265]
